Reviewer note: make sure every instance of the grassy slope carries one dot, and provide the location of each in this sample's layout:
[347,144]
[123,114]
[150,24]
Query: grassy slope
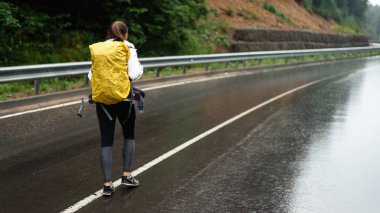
[250,13]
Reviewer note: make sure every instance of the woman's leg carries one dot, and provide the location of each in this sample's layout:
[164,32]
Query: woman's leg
[128,154]
[107,129]
[128,125]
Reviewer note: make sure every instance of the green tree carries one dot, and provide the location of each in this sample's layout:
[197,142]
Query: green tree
[56,30]
[373,22]
[358,8]
[8,24]
[350,13]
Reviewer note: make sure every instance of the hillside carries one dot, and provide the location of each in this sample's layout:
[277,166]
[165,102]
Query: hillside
[46,32]
[250,13]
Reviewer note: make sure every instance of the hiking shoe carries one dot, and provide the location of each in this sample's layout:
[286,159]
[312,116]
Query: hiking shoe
[108,190]
[129,181]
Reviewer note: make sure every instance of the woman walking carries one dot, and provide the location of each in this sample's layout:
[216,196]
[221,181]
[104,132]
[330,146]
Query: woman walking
[111,73]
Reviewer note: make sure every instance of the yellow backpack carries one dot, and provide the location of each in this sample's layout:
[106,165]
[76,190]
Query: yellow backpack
[110,81]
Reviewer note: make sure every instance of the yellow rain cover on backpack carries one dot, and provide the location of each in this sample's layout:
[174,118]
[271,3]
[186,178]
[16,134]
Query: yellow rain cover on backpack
[110,81]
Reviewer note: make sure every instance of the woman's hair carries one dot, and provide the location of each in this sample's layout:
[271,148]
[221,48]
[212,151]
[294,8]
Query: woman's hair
[117,31]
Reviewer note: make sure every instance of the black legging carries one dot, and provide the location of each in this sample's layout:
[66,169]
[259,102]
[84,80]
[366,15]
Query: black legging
[107,130]
[107,127]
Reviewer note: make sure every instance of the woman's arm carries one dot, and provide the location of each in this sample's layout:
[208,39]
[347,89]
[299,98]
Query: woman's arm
[135,69]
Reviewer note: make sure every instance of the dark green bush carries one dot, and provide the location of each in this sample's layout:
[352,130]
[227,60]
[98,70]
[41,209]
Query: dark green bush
[349,13]
[272,9]
[50,31]
[269,7]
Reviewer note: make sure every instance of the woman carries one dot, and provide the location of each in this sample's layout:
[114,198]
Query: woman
[124,111]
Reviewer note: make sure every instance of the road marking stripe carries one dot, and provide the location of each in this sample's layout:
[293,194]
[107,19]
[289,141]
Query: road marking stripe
[145,89]
[159,159]
[40,109]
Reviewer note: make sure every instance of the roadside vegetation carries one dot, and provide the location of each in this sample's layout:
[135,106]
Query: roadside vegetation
[26,88]
[350,14]
[47,32]
[272,9]
[247,14]
[373,23]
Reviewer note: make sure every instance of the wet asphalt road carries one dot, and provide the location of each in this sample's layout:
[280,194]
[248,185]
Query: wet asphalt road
[312,151]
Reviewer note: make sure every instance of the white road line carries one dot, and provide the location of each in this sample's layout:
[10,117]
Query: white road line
[154,162]
[40,109]
[145,89]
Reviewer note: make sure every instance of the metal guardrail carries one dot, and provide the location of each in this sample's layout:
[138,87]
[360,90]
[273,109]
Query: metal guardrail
[36,72]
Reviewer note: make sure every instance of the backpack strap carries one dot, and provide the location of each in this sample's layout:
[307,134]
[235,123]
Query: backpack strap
[105,111]
[131,101]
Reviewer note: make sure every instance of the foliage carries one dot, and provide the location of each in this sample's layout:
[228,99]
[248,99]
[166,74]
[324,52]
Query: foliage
[26,88]
[252,1]
[272,9]
[214,12]
[269,7]
[230,11]
[29,36]
[6,16]
[247,14]
[308,4]
[160,27]
[373,22]
[50,31]
[349,13]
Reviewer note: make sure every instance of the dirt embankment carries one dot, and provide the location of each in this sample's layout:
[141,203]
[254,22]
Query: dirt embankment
[257,25]
[251,13]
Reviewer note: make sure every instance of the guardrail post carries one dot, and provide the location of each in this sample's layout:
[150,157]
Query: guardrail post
[206,68]
[244,65]
[184,69]
[226,66]
[36,87]
[286,60]
[86,80]
[158,70]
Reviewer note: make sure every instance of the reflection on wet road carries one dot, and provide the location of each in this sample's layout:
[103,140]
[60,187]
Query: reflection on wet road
[341,171]
[314,150]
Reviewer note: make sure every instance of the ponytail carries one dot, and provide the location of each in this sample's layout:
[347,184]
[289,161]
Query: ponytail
[117,31]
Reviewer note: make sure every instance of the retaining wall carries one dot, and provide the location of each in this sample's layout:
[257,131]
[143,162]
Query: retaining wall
[250,39]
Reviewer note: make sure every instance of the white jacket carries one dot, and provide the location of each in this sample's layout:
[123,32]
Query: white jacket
[135,69]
